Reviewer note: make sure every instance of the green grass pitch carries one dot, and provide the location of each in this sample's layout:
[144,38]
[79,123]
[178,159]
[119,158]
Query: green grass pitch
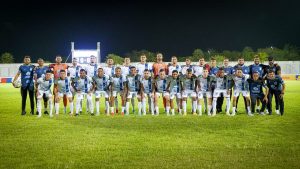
[149,141]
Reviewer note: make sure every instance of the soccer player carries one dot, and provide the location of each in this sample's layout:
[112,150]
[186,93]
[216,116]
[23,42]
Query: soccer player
[109,69]
[241,86]
[256,85]
[83,87]
[159,64]
[174,88]
[92,67]
[228,70]
[213,67]
[204,89]
[188,65]
[63,88]
[245,71]
[56,67]
[140,67]
[198,69]
[44,87]
[189,83]
[126,67]
[174,66]
[277,88]
[37,73]
[160,86]
[133,87]
[117,87]
[73,72]
[222,87]
[27,86]
[100,86]
[273,66]
[259,68]
[147,91]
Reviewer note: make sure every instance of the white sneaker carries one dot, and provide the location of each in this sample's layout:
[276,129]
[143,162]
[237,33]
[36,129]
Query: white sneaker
[233,113]
[250,114]
[214,114]
[51,115]
[277,112]
[262,113]
[227,113]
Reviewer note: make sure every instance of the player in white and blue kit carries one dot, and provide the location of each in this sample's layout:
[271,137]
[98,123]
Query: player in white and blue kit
[133,87]
[189,83]
[174,66]
[174,88]
[160,86]
[63,89]
[100,87]
[83,87]
[147,91]
[117,87]
[126,67]
[140,67]
[44,88]
[240,86]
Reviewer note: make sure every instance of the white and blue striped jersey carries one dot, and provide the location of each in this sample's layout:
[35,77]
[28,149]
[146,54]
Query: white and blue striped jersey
[147,84]
[241,83]
[133,82]
[91,70]
[110,71]
[125,70]
[171,68]
[117,83]
[74,71]
[101,82]
[63,85]
[141,67]
[83,84]
[161,84]
[43,84]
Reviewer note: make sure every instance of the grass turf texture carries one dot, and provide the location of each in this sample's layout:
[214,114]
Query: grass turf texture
[147,141]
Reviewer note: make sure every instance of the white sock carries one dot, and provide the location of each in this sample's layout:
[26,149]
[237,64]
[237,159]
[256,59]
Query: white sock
[208,109]
[214,105]
[152,106]
[123,108]
[168,109]
[91,106]
[78,106]
[50,107]
[144,106]
[184,106]
[107,106]
[233,110]
[227,105]
[194,106]
[71,107]
[139,108]
[112,110]
[56,105]
[173,112]
[200,109]
[39,106]
[157,110]
[248,108]
[127,108]
[258,107]
[97,107]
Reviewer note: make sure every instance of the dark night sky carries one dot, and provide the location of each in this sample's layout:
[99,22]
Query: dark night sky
[173,28]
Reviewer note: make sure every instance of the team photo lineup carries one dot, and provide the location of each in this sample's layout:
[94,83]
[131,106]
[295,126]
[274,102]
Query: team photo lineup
[206,84]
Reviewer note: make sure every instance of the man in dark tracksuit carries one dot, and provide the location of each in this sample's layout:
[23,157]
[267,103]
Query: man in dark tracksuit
[256,85]
[277,88]
[26,72]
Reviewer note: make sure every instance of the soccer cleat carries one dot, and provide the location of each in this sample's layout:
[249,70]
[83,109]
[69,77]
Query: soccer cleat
[50,115]
[117,111]
[122,113]
[214,114]
[227,113]
[233,113]
[112,113]
[23,113]
[250,114]
[184,114]
[277,112]
[46,112]
[76,114]
[219,110]
[37,113]
[208,114]
[194,113]
[80,112]
[31,113]
[262,113]
[92,114]
[257,110]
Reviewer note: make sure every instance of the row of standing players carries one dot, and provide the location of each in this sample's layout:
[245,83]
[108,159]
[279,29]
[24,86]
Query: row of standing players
[145,80]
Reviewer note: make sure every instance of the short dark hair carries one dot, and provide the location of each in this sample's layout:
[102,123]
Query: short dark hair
[62,70]
[26,56]
[271,71]
[162,70]
[48,71]
[100,68]
[131,67]
[174,71]
[189,70]
[146,70]
[82,70]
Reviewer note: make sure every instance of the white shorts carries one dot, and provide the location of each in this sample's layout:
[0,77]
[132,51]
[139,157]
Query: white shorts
[47,93]
[158,94]
[132,94]
[99,94]
[245,93]
[80,96]
[189,93]
[172,95]
[115,93]
[217,93]
[69,94]
[202,94]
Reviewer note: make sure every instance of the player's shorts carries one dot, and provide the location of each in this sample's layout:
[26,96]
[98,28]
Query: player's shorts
[132,94]
[163,94]
[202,94]
[99,94]
[80,96]
[217,93]
[47,94]
[245,93]
[115,93]
[69,94]
[172,95]
[189,93]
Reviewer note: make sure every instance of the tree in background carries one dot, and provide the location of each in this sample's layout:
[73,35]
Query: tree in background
[248,53]
[117,59]
[196,55]
[7,58]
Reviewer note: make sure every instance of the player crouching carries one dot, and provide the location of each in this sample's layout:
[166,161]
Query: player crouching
[160,86]
[189,90]
[174,88]
[147,91]
[63,89]
[44,87]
